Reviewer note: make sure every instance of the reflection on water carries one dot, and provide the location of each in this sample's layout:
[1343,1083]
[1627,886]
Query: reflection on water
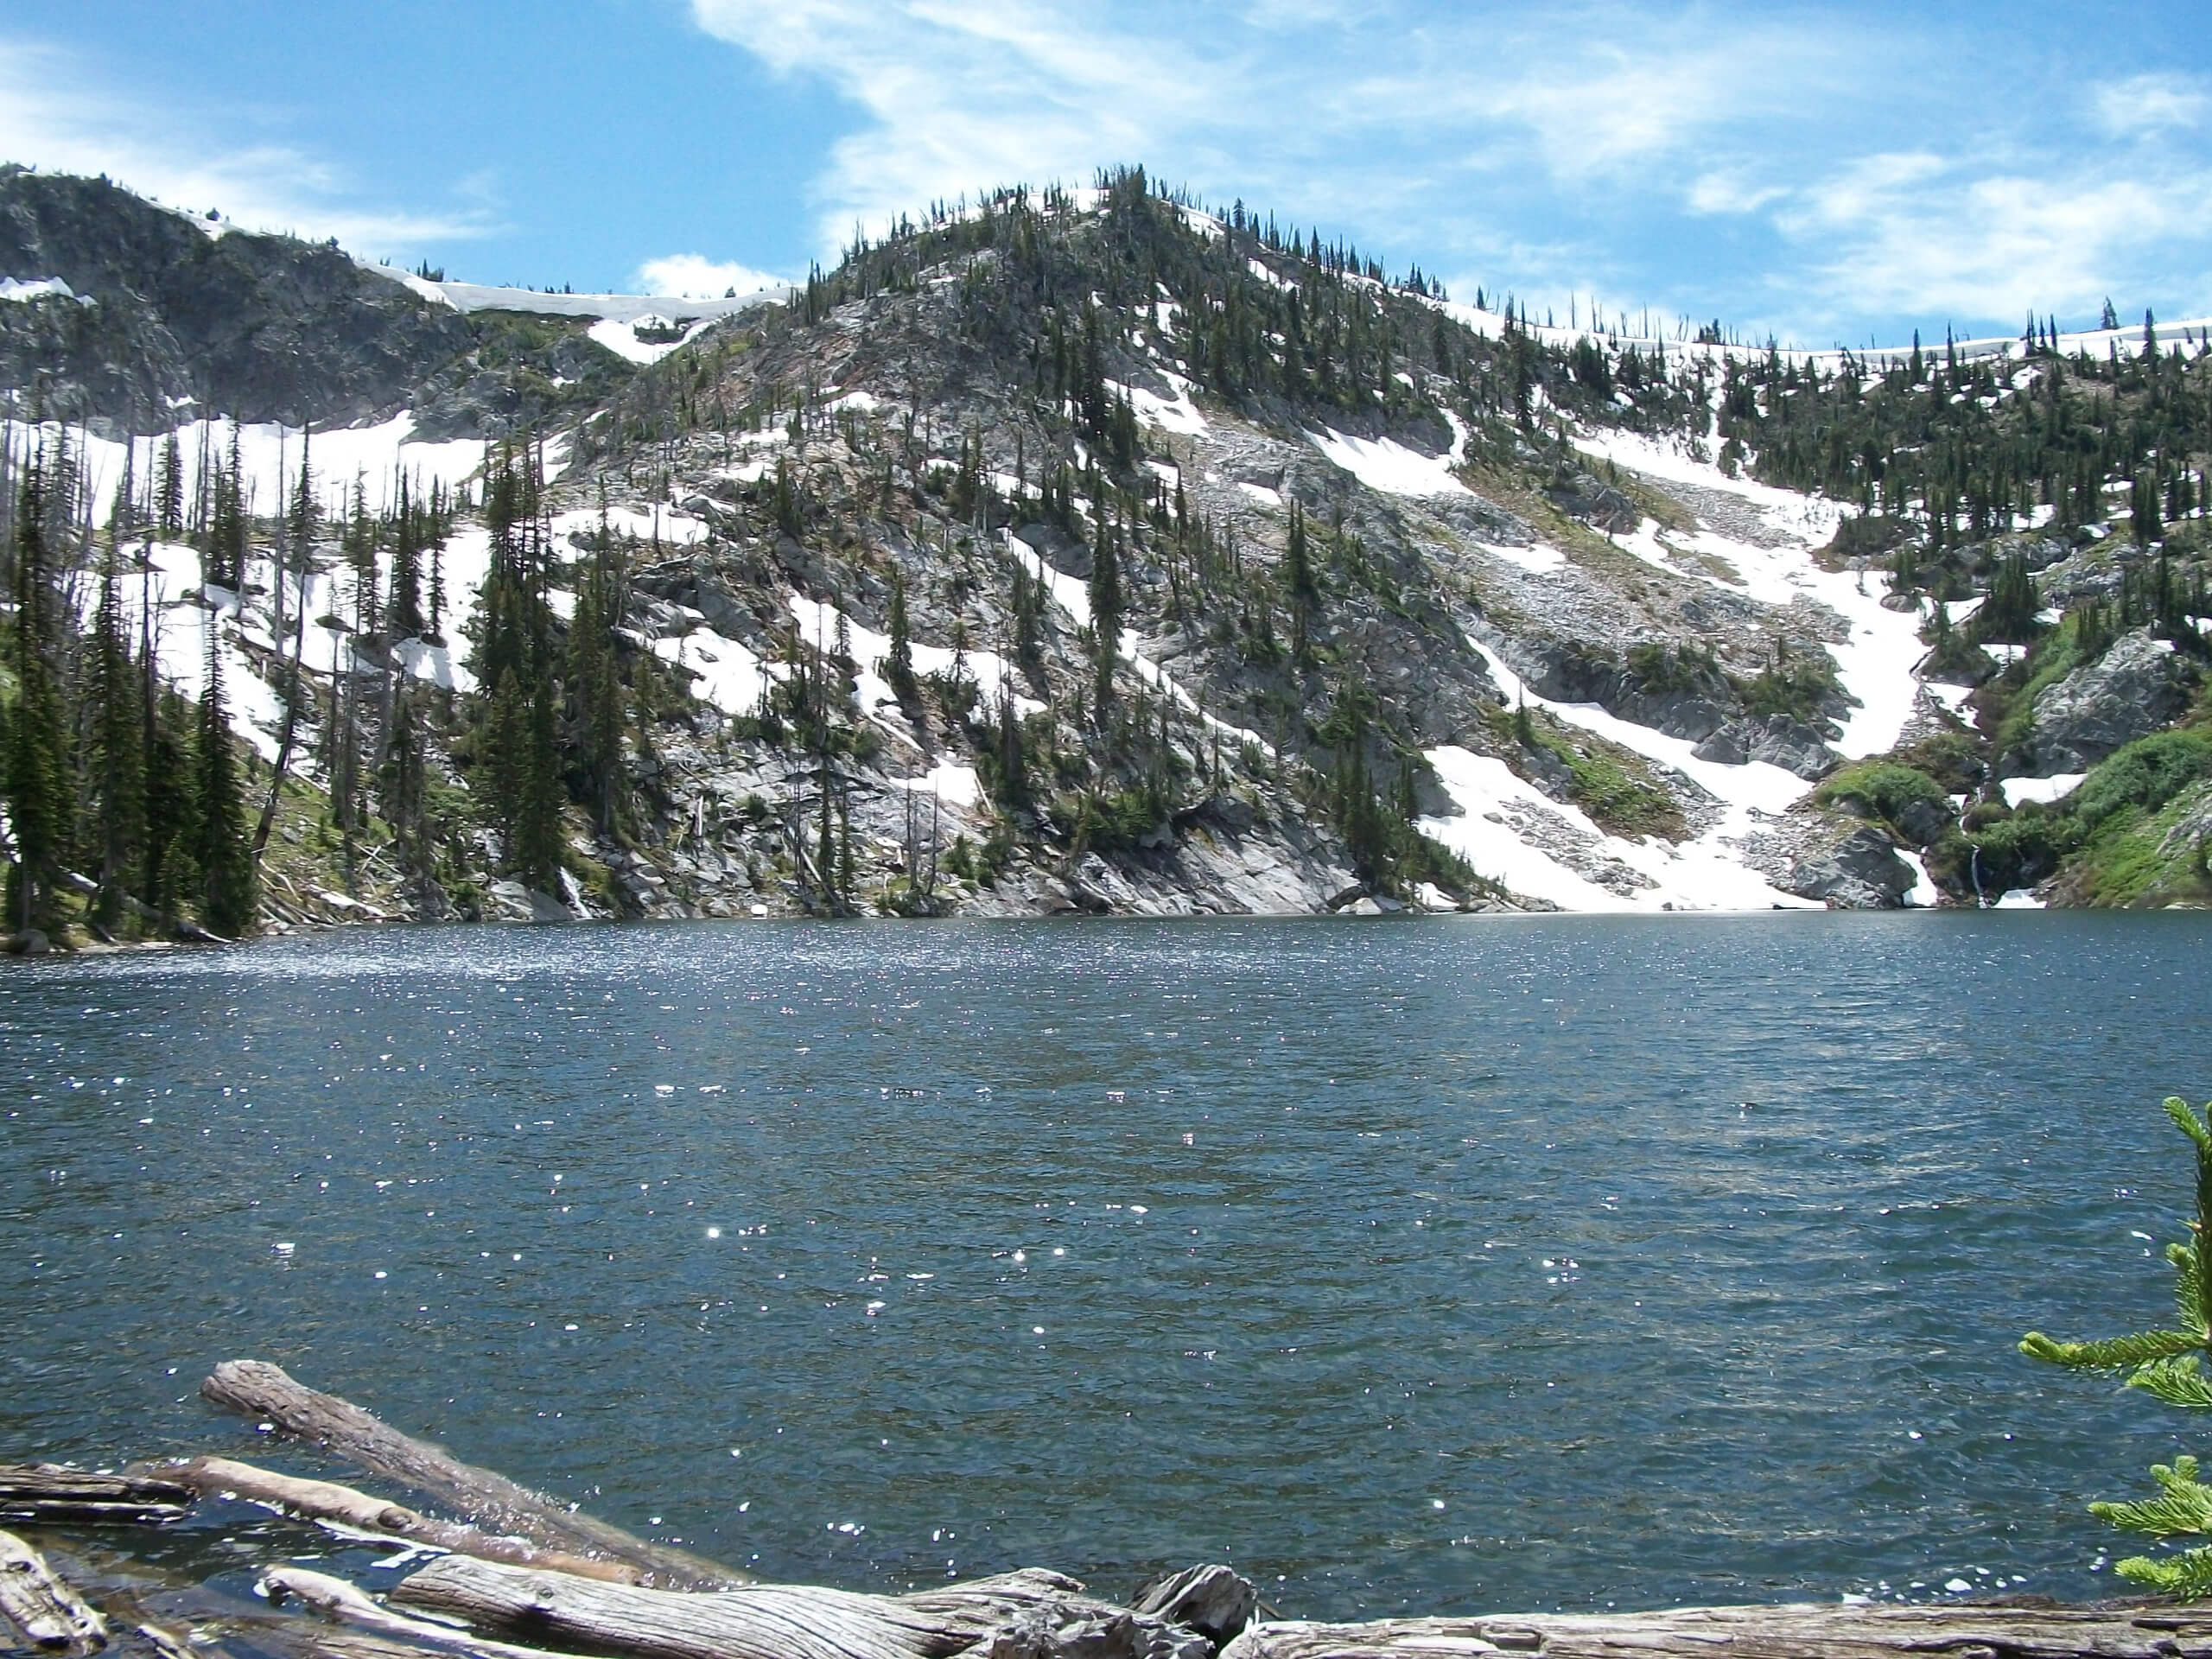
[1568,1261]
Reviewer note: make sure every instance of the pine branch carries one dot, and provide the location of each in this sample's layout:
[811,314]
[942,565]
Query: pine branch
[2183,1507]
[2187,1577]
[2112,1353]
[2176,1381]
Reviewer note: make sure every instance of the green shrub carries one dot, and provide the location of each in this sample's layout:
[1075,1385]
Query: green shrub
[2147,773]
[1880,789]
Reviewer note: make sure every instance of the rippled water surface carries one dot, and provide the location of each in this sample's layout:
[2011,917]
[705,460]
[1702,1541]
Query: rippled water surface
[1493,1263]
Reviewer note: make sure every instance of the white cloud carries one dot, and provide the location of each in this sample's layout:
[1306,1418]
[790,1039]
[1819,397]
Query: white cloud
[2148,104]
[695,277]
[51,115]
[1397,112]
[1730,193]
[1916,234]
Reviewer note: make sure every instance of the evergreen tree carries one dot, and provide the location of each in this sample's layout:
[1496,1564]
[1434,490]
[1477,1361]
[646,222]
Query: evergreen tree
[118,755]
[227,895]
[1305,590]
[1106,608]
[38,761]
[899,666]
[2164,1365]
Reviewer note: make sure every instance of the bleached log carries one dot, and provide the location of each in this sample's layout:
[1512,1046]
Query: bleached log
[51,1617]
[1823,1630]
[324,1500]
[47,1495]
[337,1599]
[264,1392]
[1217,1602]
[761,1621]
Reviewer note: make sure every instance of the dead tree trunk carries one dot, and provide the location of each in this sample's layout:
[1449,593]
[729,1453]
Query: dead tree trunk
[1826,1630]
[257,1389]
[53,1617]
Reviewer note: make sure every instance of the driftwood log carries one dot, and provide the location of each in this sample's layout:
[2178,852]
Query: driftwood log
[47,1495]
[264,1392]
[337,1598]
[1827,1630]
[324,1500]
[51,1617]
[765,1621]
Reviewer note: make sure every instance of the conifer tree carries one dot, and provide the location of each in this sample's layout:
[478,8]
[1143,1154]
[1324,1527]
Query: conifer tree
[1106,607]
[899,666]
[37,760]
[118,755]
[227,894]
[2164,1365]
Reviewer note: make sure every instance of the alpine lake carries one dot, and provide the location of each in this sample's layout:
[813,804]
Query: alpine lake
[1408,1267]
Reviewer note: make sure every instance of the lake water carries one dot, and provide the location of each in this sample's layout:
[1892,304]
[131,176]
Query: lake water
[1494,1264]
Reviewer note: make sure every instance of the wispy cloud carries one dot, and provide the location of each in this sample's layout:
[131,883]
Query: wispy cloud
[55,115]
[2148,103]
[955,94]
[695,277]
[1915,233]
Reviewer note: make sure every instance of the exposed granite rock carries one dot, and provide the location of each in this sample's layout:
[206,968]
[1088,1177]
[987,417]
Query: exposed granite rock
[2136,687]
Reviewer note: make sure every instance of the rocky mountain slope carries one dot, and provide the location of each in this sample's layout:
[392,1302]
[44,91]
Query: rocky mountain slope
[1091,552]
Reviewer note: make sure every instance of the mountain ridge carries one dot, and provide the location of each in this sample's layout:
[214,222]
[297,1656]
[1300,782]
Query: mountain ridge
[1164,566]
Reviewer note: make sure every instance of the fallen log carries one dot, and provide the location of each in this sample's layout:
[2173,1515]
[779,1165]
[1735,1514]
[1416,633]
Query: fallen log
[335,1598]
[51,1617]
[264,1392]
[1825,1630]
[761,1621]
[47,1495]
[324,1500]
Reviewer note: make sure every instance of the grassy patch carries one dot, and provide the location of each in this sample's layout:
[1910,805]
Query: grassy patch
[1615,786]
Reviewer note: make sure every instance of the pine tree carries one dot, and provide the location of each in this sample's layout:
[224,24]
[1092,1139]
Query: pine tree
[899,666]
[1106,608]
[1299,578]
[2164,1365]
[117,756]
[37,759]
[227,895]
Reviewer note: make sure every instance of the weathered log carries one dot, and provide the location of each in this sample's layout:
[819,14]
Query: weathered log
[167,1643]
[47,1495]
[1217,1602]
[335,1598]
[324,1500]
[491,1501]
[761,1621]
[1825,1630]
[51,1617]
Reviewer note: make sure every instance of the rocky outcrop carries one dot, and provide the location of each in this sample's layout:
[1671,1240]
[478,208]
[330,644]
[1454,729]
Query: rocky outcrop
[1778,740]
[1687,701]
[1845,863]
[2134,690]
[167,315]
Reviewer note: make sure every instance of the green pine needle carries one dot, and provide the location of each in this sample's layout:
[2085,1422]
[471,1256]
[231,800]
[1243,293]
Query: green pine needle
[2178,1382]
[2186,1576]
[2113,1353]
[2181,1509]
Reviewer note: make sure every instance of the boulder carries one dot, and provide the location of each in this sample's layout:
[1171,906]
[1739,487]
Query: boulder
[1857,870]
[2136,688]
[1778,740]
[1793,745]
[1923,823]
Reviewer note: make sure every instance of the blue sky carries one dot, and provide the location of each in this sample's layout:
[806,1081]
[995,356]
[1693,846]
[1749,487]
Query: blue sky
[1827,172]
